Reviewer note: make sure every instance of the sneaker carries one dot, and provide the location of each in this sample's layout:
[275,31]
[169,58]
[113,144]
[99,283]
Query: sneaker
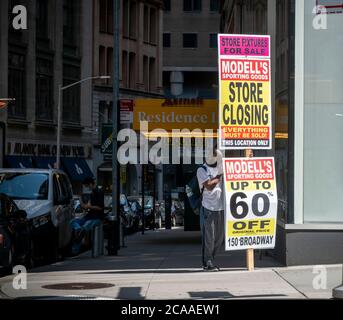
[210,267]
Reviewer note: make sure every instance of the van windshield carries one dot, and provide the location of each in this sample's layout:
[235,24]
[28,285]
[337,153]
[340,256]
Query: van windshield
[25,186]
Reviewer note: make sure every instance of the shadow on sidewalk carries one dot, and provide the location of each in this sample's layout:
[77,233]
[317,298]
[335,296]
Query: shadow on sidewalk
[162,251]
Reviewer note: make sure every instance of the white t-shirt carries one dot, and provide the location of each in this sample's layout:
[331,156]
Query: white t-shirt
[211,200]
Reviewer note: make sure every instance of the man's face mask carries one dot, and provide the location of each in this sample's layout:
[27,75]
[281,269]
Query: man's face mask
[212,158]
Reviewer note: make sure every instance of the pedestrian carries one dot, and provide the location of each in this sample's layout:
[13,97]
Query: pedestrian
[210,178]
[95,213]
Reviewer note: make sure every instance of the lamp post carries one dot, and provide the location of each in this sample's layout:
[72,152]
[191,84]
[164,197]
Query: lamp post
[59,113]
[114,238]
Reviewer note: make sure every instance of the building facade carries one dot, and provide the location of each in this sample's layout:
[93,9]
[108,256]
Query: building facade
[190,48]
[307,103]
[140,75]
[34,62]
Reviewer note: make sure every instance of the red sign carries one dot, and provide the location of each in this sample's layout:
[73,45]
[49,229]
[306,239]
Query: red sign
[245,70]
[253,169]
[329,6]
[126,111]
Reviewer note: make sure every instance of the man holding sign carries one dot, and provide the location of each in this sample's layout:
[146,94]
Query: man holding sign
[210,177]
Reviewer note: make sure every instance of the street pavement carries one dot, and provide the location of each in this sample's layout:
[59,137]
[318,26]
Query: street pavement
[166,264]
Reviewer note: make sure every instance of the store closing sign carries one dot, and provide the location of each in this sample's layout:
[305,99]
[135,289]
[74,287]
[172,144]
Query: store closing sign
[251,203]
[245,92]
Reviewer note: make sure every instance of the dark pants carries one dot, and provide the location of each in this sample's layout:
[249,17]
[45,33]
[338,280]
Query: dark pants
[212,231]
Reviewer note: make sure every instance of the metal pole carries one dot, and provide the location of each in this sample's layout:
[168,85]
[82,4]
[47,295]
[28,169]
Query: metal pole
[58,146]
[143,213]
[154,200]
[115,105]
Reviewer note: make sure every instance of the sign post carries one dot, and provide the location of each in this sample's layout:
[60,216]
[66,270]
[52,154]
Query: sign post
[245,123]
[245,117]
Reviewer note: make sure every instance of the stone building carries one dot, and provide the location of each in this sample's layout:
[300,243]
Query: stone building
[55,49]
[140,74]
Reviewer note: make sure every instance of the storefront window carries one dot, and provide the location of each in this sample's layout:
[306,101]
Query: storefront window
[323,116]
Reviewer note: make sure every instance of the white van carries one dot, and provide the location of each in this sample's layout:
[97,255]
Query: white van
[46,196]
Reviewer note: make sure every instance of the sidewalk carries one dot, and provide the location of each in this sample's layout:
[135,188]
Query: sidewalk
[166,265]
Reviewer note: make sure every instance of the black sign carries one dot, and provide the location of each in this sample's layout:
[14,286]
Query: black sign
[37,149]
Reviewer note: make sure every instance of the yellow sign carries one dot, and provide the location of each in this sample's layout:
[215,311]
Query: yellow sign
[176,114]
[251,203]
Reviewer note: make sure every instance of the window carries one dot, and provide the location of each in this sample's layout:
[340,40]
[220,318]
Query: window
[126,19]
[191,5]
[102,60]
[166,40]
[110,16]
[106,16]
[102,15]
[150,25]
[71,96]
[146,73]
[132,70]
[69,21]
[16,85]
[42,18]
[25,186]
[124,69]
[190,40]
[109,64]
[213,41]
[146,24]
[152,74]
[153,26]
[166,5]
[44,90]
[130,19]
[214,5]
[323,129]
[133,20]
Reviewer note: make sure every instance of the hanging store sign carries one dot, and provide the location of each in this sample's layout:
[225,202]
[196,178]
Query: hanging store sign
[126,111]
[177,114]
[245,92]
[251,203]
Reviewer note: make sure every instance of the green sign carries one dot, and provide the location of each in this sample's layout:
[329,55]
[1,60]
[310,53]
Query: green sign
[106,139]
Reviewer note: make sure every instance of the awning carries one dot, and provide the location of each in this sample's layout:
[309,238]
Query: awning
[44,162]
[18,162]
[77,169]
